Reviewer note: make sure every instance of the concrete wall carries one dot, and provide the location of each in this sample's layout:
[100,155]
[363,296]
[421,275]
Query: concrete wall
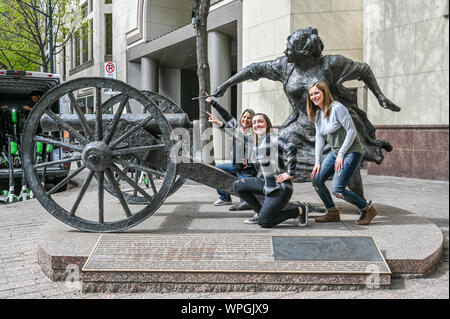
[164,16]
[124,19]
[170,84]
[406,43]
[340,24]
[265,27]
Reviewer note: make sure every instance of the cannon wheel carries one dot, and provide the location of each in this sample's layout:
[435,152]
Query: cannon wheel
[166,106]
[101,156]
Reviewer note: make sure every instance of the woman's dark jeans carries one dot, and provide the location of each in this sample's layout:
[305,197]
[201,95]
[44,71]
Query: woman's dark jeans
[340,180]
[270,212]
[229,168]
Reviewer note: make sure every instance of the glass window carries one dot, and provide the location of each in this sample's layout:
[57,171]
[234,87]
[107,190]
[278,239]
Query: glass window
[84,10]
[76,40]
[108,34]
[85,42]
[91,39]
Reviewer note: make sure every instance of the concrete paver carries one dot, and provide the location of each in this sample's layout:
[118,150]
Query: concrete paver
[21,225]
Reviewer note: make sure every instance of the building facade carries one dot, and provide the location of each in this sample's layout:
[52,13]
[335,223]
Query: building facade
[404,41]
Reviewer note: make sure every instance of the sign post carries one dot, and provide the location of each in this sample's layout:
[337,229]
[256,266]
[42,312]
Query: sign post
[110,73]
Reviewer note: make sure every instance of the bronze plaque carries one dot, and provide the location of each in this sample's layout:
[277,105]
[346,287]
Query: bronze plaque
[320,248]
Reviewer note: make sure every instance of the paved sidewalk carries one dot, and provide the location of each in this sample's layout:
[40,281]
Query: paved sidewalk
[21,224]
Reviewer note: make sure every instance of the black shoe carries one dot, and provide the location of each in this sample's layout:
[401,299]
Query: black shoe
[302,219]
[241,206]
[313,208]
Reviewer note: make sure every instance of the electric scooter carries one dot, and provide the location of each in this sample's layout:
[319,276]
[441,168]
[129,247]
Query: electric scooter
[9,196]
[25,191]
[13,159]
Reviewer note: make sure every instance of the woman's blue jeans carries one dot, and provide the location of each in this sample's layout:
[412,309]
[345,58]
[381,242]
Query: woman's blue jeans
[229,168]
[340,180]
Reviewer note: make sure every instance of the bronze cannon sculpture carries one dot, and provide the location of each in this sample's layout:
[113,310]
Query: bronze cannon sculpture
[114,149]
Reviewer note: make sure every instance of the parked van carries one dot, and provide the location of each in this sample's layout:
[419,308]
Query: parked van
[16,90]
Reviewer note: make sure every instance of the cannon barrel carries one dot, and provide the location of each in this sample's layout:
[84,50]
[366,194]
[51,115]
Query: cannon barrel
[175,121]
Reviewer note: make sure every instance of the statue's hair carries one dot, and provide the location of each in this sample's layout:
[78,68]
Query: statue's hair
[307,42]
[327,100]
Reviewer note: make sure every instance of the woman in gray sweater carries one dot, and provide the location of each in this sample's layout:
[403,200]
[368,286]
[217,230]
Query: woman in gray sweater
[335,126]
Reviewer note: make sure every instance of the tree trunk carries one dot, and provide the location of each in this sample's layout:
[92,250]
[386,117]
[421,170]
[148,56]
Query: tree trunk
[200,9]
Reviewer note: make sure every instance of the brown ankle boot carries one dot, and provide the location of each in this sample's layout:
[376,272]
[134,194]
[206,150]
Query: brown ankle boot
[367,216]
[330,217]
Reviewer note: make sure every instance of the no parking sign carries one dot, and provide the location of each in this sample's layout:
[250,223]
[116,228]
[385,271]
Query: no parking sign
[110,73]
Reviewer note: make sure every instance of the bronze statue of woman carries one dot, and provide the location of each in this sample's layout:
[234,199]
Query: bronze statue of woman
[302,65]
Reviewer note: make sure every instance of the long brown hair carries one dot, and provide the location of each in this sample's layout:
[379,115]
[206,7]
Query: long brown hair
[327,100]
[268,122]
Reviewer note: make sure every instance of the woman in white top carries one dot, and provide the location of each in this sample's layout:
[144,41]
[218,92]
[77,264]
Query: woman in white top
[240,166]
[335,126]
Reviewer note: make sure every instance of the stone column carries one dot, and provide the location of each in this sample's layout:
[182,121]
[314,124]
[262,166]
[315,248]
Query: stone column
[149,74]
[219,56]
[170,83]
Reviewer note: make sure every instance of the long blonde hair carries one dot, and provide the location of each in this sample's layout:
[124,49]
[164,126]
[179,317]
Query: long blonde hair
[252,113]
[327,100]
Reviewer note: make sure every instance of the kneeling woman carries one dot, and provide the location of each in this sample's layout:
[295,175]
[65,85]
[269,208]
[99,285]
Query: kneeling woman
[335,126]
[274,178]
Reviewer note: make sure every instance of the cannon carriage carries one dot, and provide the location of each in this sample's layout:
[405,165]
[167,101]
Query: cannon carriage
[134,135]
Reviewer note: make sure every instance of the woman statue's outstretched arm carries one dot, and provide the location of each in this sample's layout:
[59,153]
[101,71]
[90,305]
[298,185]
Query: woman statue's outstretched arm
[371,82]
[272,70]
[345,69]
